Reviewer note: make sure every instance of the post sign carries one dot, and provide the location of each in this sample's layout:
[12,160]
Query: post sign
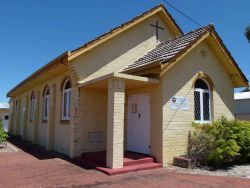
[179,103]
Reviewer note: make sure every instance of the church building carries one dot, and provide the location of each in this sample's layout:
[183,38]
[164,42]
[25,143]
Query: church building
[137,88]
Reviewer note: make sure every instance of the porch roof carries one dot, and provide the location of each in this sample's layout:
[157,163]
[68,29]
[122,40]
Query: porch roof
[131,81]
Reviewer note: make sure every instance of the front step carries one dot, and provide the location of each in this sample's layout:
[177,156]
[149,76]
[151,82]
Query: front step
[133,168]
[132,162]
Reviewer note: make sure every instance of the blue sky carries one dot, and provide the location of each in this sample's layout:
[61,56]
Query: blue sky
[33,32]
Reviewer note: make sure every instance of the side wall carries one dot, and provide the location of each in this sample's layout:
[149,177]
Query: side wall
[178,81]
[38,134]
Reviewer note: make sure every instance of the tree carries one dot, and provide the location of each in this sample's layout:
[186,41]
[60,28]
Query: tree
[247,33]
[3,134]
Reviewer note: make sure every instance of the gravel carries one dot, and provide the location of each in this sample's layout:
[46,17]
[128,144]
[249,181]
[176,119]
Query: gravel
[242,171]
[7,147]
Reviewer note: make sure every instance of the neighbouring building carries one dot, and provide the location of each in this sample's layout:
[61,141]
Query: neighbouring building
[4,115]
[135,88]
[242,105]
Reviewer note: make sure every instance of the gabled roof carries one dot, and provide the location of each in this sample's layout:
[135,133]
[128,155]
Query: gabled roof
[167,50]
[69,55]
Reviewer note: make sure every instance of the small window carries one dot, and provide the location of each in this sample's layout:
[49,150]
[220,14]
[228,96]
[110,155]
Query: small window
[202,109]
[46,104]
[32,106]
[66,100]
[6,117]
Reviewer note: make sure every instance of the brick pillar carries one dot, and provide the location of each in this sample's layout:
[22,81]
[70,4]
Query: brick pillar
[75,150]
[36,119]
[51,119]
[115,126]
[25,119]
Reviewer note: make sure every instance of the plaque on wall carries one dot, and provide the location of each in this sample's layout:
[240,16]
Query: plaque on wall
[96,136]
[179,103]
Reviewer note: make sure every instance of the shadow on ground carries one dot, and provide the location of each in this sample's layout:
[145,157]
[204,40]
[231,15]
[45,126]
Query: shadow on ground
[41,153]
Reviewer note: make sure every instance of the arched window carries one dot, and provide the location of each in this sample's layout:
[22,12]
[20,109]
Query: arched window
[66,100]
[202,102]
[32,106]
[46,103]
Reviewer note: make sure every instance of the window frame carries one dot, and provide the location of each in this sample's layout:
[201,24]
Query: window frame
[201,92]
[68,100]
[46,103]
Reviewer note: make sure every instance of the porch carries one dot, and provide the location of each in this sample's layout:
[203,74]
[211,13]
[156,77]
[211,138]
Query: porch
[114,146]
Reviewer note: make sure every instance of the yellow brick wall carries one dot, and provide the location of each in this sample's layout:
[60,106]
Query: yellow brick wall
[93,118]
[122,50]
[178,82]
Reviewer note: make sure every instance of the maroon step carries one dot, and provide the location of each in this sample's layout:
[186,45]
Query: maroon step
[126,169]
[130,162]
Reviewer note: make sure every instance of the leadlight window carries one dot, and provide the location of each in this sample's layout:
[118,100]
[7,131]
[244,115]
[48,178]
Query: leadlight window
[202,102]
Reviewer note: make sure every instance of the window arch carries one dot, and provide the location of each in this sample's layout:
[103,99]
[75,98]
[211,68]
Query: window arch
[66,99]
[46,103]
[202,101]
[32,106]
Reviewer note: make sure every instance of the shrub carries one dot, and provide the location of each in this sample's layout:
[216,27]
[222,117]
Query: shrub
[223,142]
[3,134]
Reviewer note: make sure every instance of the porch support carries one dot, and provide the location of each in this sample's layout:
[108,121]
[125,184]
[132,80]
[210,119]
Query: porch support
[115,123]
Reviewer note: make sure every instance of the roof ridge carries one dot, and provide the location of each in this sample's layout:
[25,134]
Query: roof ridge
[131,20]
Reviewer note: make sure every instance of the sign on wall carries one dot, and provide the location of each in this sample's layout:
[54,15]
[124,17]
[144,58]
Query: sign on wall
[179,103]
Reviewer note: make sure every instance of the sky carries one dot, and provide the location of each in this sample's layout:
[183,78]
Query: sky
[33,32]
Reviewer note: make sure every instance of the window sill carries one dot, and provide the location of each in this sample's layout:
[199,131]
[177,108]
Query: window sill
[203,122]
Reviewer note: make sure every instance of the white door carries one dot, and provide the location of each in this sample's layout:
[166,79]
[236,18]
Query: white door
[138,130]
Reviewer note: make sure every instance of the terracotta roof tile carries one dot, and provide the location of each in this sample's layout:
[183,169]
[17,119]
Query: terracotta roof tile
[166,50]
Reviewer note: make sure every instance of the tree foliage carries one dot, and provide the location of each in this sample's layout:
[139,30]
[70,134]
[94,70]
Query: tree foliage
[3,134]
[247,33]
[223,142]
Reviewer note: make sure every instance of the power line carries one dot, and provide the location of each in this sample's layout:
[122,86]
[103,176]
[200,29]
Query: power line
[190,19]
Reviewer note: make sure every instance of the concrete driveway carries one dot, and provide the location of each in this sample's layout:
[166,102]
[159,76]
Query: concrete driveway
[33,166]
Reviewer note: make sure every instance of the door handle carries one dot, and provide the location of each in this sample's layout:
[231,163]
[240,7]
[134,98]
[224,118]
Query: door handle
[139,115]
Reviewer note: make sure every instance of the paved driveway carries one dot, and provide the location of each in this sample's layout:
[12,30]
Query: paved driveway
[35,167]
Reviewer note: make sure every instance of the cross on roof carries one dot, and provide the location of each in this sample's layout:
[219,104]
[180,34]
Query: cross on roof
[157,27]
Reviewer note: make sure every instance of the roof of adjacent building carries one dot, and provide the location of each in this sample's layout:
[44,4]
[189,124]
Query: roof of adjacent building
[4,106]
[242,95]
[167,50]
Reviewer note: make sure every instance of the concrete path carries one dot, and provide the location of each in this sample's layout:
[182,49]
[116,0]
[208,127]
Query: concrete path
[34,167]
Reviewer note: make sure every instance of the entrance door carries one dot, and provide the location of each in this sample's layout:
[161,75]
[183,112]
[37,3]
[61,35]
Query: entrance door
[138,130]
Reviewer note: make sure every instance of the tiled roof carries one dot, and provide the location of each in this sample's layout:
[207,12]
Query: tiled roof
[166,50]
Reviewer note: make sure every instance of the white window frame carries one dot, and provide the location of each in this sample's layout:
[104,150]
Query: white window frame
[46,100]
[68,100]
[201,91]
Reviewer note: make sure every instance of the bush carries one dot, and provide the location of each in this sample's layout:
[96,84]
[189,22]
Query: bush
[3,134]
[223,142]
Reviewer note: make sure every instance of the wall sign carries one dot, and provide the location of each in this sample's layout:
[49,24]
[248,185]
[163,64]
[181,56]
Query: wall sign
[179,103]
